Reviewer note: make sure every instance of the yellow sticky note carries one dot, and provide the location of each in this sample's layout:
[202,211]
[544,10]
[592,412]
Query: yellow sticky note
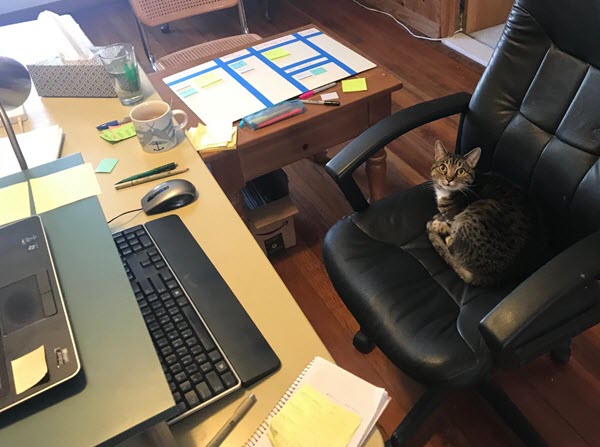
[310,419]
[64,187]
[354,85]
[15,203]
[276,53]
[207,79]
[29,369]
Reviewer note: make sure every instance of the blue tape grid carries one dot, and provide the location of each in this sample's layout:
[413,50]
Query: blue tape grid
[322,52]
[278,70]
[235,75]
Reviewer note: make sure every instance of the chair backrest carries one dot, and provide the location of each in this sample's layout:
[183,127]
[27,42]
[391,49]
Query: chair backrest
[158,12]
[536,111]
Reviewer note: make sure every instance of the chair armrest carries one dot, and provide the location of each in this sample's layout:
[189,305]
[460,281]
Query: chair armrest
[342,166]
[575,267]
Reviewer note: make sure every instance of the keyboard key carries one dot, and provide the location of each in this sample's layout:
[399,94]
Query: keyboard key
[149,319]
[165,296]
[221,367]
[178,318]
[123,245]
[172,386]
[192,341]
[164,319]
[172,335]
[146,287]
[229,380]
[156,258]
[157,305]
[174,310]
[158,334]
[136,247]
[181,408]
[162,342]
[166,350]
[215,356]
[130,236]
[145,241]
[203,391]
[205,367]
[177,343]
[167,276]
[160,312]
[185,386]
[169,304]
[145,263]
[119,240]
[152,252]
[195,350]
[153,326]
[196,377]
[186,360]
[171,359]
[168,327]
[160,287]
[177,396]
[187,333]
[191,369]
[140,232]
[182,325]
[152,297]
[201,358]
[126,252]
[172,284]
[180,377]
[160,265]
[177,293]
[181,301]
[182,351]
[146,311]
[192,398]
[214,382]
[176,369]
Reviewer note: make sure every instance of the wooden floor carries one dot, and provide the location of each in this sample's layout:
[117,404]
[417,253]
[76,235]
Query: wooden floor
[563,402]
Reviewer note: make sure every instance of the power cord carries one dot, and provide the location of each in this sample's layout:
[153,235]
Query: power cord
[416,36]
[122,214]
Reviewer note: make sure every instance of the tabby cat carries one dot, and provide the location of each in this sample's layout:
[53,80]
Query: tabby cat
[484,221]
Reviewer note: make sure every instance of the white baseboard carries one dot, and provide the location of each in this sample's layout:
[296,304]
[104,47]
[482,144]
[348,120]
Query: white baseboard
[469,47]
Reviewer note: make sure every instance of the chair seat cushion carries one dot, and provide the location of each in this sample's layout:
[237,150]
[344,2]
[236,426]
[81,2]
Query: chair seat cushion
[204,50]
[404,296]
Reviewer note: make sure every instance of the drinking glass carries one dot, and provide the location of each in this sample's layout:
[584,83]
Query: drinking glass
[119,61]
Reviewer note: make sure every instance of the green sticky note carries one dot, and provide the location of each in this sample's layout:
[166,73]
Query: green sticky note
[207,79]
[276,53]
[354,85]
[318,71]
[107,165]
[120,133]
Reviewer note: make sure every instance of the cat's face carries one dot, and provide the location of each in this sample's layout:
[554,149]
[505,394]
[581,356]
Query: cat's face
[453,172]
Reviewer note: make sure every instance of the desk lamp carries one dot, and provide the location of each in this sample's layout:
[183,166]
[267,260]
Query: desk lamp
[15,85]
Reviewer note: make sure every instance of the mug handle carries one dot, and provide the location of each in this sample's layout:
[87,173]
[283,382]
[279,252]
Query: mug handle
[181,125]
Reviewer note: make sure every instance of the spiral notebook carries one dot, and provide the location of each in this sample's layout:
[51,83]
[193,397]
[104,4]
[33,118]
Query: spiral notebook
[342,388]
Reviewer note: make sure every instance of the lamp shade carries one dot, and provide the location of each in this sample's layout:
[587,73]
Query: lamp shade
[15,83]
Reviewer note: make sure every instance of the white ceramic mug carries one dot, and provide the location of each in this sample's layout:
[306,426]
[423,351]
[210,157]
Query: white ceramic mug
[155,125]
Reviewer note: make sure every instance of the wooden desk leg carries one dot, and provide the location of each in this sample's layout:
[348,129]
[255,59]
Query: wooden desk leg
[379,108]
[160,436]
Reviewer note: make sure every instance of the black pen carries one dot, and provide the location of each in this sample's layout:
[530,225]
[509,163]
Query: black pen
[322,103]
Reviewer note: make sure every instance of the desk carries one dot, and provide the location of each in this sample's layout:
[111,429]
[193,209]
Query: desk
[216,226]
[311,133]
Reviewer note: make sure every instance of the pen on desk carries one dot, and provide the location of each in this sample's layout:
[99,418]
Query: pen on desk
[113,123]
[278,118]
[150,178]
[316,90]
[323,103]
[238,414]
[158,170]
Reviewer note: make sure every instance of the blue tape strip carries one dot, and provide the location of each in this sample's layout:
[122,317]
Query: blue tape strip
[310,67]
[338,62]
[239,58]
[305,61]
[278,70]
[317,33]
[193,75]
[235,75]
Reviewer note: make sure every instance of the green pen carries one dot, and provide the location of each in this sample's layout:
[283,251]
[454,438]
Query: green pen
[167,167]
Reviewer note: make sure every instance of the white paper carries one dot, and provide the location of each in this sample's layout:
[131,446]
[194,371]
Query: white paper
[229,100]
[70,41]
[39,146]
[329,96]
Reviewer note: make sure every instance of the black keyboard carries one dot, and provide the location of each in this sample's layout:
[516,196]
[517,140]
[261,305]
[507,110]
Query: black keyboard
[195,366]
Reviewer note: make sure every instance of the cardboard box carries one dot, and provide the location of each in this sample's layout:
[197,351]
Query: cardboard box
[273,225]
[85,78]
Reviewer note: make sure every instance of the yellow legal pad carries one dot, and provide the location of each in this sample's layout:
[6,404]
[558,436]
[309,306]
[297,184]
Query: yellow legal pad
[64,187]
[15,203]
[354,85]
[310,419]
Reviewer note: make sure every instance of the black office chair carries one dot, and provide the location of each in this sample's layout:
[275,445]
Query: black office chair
[535,115]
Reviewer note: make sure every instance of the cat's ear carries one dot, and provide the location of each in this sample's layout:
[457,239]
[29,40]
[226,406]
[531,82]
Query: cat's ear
[473,157]
[440,151]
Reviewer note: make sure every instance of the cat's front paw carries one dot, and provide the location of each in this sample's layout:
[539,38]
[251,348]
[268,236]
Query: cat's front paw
[440,227]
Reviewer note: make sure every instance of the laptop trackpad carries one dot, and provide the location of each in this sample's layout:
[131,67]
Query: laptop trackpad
[20,305]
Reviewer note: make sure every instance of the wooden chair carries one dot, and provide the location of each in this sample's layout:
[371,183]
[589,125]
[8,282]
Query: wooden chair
[159,12]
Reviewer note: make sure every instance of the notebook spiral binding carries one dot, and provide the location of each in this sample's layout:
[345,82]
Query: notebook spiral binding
[264,426]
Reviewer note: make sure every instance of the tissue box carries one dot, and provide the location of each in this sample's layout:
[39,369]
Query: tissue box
[84,78]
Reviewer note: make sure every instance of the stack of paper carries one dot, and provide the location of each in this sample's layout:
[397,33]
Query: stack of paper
[39,146]
[213,137]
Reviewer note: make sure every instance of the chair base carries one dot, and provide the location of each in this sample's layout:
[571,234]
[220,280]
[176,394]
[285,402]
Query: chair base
[362,343]
[561,353]
[491,392]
